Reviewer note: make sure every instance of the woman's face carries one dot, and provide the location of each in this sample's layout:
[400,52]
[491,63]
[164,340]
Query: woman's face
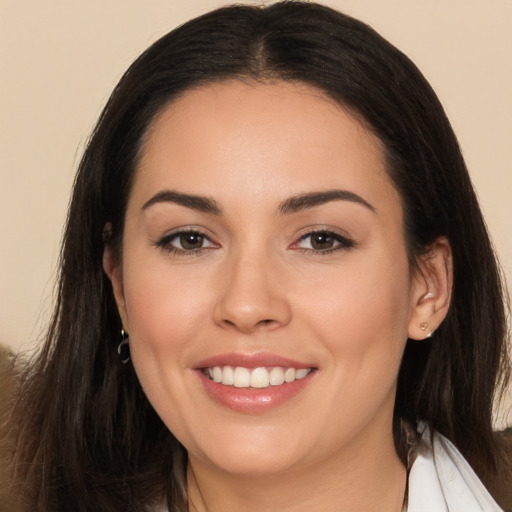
[263,232]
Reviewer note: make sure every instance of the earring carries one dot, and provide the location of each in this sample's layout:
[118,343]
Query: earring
[428,295]
[123,349]
[423,327]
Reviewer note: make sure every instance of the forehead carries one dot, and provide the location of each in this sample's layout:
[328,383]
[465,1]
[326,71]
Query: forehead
[247,137]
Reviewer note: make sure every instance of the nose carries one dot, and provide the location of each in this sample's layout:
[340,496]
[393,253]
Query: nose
[252,297]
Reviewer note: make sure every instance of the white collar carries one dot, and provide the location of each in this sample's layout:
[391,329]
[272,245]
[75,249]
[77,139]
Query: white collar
[441,480]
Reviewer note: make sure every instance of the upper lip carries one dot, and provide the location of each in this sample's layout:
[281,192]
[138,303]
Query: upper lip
[250,361]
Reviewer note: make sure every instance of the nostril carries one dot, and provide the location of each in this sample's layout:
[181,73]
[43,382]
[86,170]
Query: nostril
[267,322]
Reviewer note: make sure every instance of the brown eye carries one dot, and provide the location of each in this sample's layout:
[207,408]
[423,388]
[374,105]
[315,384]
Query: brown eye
[322,241]
[191,241]
[185,242]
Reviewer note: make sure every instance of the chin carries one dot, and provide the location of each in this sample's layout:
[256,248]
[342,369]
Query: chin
[248,463]
[263,453]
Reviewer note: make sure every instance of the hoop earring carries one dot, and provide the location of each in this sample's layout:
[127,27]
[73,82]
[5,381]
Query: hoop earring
[123,349]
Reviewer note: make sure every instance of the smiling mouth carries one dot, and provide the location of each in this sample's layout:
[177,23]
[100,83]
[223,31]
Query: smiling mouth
[259,378]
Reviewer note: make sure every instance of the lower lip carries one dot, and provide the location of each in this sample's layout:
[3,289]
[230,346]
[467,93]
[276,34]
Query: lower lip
[253,400]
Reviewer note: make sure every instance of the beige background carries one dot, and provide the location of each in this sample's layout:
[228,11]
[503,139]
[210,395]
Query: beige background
[60,59]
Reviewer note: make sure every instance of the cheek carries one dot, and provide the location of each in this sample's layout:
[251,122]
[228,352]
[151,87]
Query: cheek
[361,312]
[163,308]
[362,320]
[166,312]
[166,309]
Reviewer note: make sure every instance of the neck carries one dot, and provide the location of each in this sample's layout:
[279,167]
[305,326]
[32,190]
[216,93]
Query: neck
[365,478]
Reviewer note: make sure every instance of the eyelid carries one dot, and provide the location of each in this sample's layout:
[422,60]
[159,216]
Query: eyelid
[164,242]
[344,242]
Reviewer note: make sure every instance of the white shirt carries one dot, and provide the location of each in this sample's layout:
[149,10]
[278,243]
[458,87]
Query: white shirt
[440,479]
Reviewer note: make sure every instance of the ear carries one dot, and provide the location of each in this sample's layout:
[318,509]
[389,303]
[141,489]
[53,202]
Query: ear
[431,290]
[112,268]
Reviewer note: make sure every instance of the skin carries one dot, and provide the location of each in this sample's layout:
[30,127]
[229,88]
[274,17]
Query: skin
[259,285]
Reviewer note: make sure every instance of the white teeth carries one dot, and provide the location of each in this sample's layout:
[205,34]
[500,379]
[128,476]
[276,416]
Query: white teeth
[276,376]
[242,377]
[228,377]
[300,374]
[261,377]
[217,374]
[289,375]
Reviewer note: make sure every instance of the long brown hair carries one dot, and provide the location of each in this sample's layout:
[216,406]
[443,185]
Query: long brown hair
[87,438]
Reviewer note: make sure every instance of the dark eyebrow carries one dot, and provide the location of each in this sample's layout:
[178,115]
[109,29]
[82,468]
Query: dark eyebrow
[310,200]
[199,203]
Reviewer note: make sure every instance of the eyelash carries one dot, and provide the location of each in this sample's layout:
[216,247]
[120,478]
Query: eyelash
[342,243]
[165,243]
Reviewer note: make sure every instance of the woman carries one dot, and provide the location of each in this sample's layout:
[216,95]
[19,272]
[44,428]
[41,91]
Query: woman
[277,289]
